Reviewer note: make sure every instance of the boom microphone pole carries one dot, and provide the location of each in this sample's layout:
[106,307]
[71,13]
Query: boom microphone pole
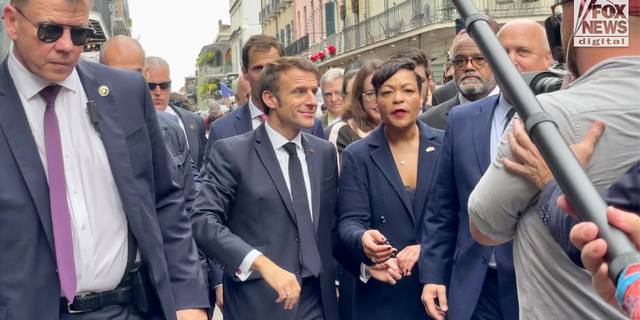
[543,131]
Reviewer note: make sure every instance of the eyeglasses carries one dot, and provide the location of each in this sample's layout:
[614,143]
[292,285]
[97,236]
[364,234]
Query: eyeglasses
[369,96]
[163,85]
[51,32]
[557,10]
[477,62]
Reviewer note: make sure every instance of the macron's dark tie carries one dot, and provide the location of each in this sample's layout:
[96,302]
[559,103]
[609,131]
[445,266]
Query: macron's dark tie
[60,216]
[509,116]
[310,254]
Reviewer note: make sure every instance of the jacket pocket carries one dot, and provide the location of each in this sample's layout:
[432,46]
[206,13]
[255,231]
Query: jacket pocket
[137,137]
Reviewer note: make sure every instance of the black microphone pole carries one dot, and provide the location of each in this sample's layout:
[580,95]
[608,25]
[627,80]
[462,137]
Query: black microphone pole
[543,131]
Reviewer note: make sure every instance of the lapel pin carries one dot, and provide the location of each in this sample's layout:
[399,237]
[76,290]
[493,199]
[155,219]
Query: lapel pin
[192,127]
[103,91]
[430,149]
[311,150]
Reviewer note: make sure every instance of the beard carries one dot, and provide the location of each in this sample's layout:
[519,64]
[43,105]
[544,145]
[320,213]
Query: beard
[476,90]
[569,52]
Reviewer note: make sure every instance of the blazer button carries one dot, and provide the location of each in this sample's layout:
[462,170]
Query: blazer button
[298,270]
[297,240]
[484,259]
[382,220]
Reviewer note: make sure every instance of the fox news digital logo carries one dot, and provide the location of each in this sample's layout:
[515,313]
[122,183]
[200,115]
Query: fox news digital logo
[601,23]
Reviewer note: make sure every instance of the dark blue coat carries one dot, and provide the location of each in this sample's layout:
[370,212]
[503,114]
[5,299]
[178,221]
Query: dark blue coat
[449,255]
[372,196]
[152,203]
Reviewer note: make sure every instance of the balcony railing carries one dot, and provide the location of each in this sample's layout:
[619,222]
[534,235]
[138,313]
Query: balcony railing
[415,14]
[101,7]
[214,72]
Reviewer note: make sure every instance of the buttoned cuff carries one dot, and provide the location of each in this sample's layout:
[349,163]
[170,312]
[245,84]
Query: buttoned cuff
[364,275]
[244,271]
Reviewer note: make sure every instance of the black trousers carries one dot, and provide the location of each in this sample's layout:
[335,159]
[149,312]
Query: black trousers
[310,304]
[488,306]
[117,312]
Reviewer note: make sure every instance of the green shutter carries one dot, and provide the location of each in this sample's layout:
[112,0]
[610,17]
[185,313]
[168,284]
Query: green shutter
[330,8]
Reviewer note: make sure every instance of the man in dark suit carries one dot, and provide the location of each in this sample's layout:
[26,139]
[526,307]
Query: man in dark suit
[159,74]
[473,78]
[72,180]
[267,206]
[445,93]
[256,53]
[477,281]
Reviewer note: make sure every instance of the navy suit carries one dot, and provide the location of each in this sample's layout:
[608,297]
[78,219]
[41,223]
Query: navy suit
[195,132]
[373,196]
[152,203]
[449,255]
[236,123]
[245,204]
[624,195]
[239,122]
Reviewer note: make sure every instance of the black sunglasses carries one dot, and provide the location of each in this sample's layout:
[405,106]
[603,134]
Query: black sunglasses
[163,85]
[51,32]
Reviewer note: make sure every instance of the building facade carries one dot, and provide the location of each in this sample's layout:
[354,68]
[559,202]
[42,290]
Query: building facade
[276,18]
[214,66]
[245,22]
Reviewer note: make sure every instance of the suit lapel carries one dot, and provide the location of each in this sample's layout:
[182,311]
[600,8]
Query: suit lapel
[426,164]
[268,157]
[383,158]
[481,128]
[114,141]
[455,103]
[313,166]
[243,120]
[189,133]
[15,126]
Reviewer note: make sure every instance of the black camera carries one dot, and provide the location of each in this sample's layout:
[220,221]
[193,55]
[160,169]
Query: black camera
[543,81]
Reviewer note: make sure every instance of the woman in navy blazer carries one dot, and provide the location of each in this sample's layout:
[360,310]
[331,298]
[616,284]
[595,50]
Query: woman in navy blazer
[384,183]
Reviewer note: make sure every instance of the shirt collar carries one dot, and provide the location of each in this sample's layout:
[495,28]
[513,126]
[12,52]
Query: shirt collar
[255,112]
[278,141]
[30,85]
[503,108]
[464,100]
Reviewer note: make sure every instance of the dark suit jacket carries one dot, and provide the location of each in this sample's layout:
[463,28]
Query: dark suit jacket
[445,93]
[153,205]
[245,204]
[624,195]
[239,122]
[196,135]
[372,196]
[436,117]
[324,119]
[449,255]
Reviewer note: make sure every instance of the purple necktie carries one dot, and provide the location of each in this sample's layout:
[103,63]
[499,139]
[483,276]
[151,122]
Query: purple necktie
[60,216]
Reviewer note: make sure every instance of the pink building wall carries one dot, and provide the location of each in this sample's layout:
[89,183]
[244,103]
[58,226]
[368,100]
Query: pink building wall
[313,23]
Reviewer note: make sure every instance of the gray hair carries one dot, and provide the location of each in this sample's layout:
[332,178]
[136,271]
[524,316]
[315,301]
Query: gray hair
[156,63]
[106,44]
[214,106]
[330,76]
[19,3]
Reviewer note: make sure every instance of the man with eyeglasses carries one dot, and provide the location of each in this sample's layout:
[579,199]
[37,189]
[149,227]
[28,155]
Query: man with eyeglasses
[87,192]
[159,74]
[504,205]
[331,87]
[472,76]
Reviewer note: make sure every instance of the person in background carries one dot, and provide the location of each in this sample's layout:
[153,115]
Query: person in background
[193,125]
[80,198]
[526,43]
[503,204]
[179,100]
[274,238]
[214,112]
[472,76]
[362,115]
[423,68]
[256,53]
[347,85]
[243,92]
[384,183]
[331,87]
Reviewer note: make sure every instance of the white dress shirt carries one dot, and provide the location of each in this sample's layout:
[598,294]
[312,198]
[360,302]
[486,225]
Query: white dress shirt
[170,110]
[464,100]
[255,115]
[99,225]
[278,142]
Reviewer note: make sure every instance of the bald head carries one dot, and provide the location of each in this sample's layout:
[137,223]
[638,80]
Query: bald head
[123,52]
[526,43]
[243,91]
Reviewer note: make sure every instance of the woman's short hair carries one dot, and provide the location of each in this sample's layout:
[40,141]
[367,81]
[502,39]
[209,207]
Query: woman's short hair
[390,68]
